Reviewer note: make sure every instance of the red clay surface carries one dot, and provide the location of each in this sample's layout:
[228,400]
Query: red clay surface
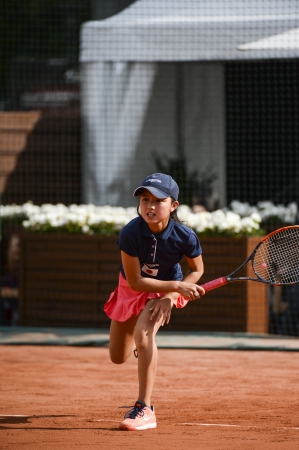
[206,400]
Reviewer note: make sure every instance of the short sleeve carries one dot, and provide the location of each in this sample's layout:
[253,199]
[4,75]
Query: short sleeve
[127,241]
[193,248]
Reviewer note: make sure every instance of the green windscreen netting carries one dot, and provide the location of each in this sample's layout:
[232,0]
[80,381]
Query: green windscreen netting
[94,96]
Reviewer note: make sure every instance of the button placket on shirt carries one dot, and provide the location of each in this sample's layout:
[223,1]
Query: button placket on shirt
[155,247]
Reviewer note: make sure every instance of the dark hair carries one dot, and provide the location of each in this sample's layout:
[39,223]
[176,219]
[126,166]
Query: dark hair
[173,214]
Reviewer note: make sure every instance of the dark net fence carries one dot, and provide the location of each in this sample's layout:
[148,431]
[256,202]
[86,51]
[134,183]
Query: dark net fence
[94,96]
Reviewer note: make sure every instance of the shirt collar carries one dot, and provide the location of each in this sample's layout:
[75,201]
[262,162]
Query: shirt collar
[145,231]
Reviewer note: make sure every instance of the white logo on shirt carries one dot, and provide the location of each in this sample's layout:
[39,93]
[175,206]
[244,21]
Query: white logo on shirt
[149,269]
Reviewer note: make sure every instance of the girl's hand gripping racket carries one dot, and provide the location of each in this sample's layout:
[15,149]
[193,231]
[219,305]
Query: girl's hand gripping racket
[275,260]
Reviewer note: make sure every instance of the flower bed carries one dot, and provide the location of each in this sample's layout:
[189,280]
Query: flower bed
[239,220]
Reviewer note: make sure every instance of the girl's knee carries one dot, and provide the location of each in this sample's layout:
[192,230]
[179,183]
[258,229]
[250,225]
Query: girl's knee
[119,354]
[117,358]
[142,336]
[121,340]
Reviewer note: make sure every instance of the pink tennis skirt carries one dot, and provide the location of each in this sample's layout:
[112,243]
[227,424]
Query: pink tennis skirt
[124,302]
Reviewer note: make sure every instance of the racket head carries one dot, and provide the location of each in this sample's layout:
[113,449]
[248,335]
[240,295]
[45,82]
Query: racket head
[276,258]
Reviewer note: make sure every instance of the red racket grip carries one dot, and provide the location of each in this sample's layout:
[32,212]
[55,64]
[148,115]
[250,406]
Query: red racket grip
[214,284]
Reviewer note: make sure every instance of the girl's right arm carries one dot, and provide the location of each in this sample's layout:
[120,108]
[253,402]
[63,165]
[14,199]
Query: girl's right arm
[138,283]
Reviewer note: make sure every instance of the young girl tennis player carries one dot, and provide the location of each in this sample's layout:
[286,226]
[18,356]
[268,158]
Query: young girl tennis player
[150,283]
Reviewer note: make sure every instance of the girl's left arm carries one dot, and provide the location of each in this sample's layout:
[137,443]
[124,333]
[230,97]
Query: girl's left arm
[195,270]
[194,273]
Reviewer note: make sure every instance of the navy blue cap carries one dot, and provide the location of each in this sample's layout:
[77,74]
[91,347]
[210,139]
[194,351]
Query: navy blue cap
[160,185]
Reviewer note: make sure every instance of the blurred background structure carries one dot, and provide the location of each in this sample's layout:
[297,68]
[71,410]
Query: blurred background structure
[96,94]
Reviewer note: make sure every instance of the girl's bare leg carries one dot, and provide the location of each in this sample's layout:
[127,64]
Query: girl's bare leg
[144,336]
[121,343]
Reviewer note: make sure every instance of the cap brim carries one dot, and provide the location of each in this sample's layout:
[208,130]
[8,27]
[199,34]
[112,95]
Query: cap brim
[156,192]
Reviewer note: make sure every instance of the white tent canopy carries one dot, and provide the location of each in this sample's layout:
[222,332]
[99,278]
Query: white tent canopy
[188,30]
[289,40]
[128,110]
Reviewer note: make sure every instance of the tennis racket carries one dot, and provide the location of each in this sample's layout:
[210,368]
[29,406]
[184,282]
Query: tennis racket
[275,261]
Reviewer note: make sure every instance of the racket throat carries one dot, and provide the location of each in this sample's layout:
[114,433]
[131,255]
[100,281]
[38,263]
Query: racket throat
[237,279]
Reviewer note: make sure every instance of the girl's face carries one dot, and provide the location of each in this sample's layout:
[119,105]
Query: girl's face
[156,211]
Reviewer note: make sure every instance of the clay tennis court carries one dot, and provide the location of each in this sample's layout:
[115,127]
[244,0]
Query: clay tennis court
[55,397]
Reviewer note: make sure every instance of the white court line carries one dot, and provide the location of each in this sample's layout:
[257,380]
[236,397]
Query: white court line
[13,415]
[36,416]
[104,420]
[230,425]
[219,425]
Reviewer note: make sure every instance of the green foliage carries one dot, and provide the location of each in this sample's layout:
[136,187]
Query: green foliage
[272,223]
[103,229]
[194,185]
[230,233]
[15,220]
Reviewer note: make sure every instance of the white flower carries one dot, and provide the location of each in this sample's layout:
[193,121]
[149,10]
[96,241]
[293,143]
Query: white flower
[255,216]
[85,229]
[248,224]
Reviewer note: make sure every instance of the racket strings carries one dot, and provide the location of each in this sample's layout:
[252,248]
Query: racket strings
[283,265]
[277,259]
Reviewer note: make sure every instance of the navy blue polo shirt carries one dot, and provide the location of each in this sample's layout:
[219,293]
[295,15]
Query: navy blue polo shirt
[159,254]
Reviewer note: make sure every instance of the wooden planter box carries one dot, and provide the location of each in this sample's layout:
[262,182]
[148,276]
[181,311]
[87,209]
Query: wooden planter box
[239,306]
[65,281]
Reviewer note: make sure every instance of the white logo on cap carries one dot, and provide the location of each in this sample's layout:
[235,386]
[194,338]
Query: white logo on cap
[153,180]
